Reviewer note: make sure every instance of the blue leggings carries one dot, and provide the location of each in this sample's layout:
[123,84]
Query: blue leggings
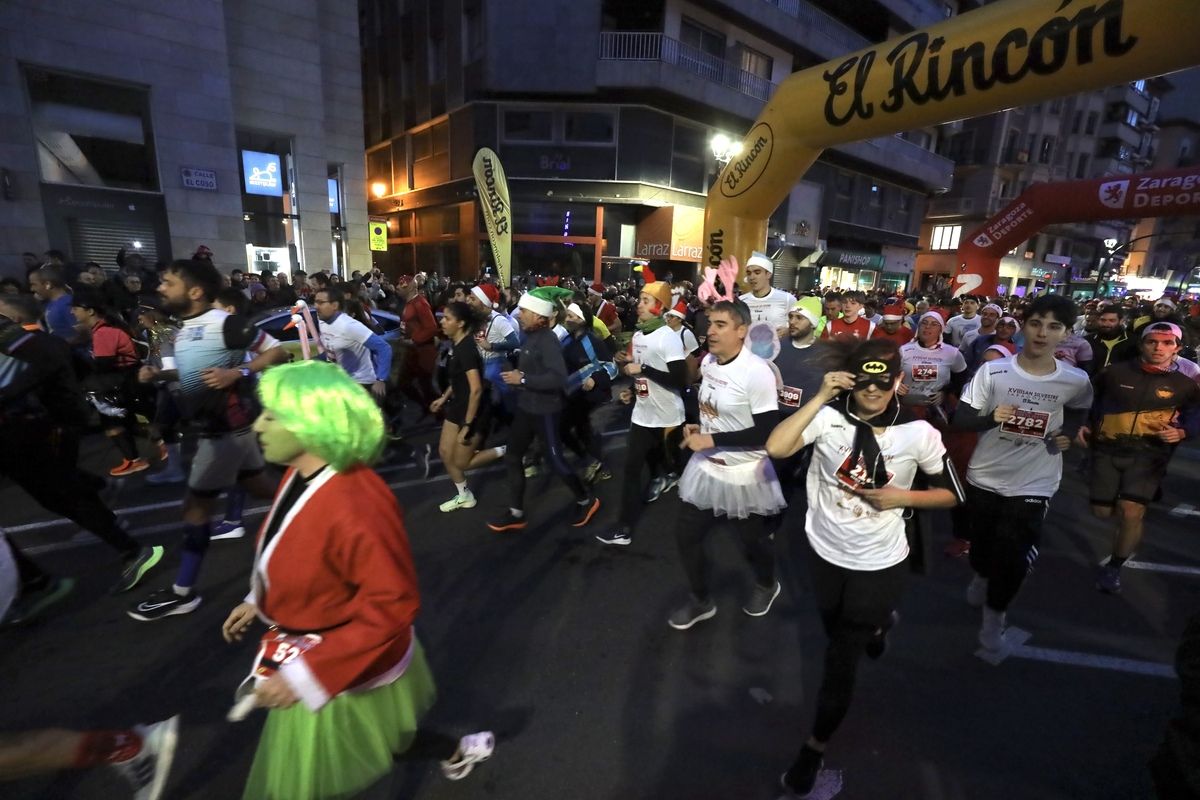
[526,427]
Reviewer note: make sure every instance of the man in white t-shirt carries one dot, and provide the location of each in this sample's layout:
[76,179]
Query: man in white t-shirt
[765,303]
[729,473]
[357,349]
[968,320]
[1028,408]
[657,363]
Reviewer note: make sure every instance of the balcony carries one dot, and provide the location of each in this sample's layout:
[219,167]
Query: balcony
[1126,95]
[903,157]
[1120,132]
[802,23]
[917,13]
[951,207]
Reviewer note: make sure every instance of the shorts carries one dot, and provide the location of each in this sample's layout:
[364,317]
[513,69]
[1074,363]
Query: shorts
[1133,475]
[224,459]
[457,413]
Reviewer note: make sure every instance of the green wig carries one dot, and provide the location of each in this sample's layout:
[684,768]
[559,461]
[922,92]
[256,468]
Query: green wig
[328,413]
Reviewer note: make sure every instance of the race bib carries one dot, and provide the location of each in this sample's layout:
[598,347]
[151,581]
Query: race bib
[1027,422]
[857,476]
[925,372]
[790,396]
[641,386]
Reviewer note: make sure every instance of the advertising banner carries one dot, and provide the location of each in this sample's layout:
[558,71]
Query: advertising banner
[497,210]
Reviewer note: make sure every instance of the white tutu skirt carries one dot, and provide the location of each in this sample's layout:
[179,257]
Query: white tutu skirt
[735,491]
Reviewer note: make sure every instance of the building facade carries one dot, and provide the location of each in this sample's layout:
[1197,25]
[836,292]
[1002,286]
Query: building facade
[603,113]
[160,127]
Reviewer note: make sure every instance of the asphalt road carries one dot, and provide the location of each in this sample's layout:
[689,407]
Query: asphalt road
[560,645]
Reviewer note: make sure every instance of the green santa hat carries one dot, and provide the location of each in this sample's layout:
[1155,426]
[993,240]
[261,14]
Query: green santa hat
[542,300]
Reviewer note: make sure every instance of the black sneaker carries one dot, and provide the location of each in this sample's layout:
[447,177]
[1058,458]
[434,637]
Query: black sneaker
[136,568]
[692,612]
[148,770]
[798,782]
[164,603]
[509,522]
[761,599]
[655,489]
[585,511]
[670,482]
[618,537]
[32,603]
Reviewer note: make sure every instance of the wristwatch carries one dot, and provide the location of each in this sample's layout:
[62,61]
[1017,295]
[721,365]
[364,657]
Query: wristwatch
[245,372]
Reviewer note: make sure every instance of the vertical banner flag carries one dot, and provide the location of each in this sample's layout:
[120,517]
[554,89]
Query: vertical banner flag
[497,211]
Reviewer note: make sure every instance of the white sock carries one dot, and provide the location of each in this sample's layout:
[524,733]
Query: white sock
[516,512]
[501,450]
[463,491]
[182,591]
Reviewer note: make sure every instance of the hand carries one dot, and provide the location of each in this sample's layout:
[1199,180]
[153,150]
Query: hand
[782,333]
[275,693]
[147,374]
[833,384]
[379,390]
[1083,435]
[632,369]
[218,378]
[436,405]
[1171,435]
[622,357]
[464,435]
[696,441]
[902,389]
[512,377]
[1061,441]
[625,396]
[238,621]
[935,399]
[589,384]
[1004,413]
[883,499]
[483,343]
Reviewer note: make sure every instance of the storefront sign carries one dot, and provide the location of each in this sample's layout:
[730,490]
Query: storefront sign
[671,233]
[335,205]
[262,173]
[378,231]
[852,260]
[193,178]
[1043,274]
[1051,258]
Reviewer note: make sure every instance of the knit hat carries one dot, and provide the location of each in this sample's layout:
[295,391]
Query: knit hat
[678,310]
[541,301]
[809,308]
[933,315]
[758,259]
[660,291]
[488,295]
[597,289]
[893,312]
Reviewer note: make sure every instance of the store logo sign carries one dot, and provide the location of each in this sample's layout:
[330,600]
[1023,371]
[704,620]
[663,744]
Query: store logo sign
[335,207]
[262,173]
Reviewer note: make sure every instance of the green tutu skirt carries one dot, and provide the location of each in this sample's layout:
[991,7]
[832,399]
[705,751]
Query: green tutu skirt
[345,747]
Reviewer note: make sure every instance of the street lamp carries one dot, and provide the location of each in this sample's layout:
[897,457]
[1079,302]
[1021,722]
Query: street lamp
[724,149]
[379,188]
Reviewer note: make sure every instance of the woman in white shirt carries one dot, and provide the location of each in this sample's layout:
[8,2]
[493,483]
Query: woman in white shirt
[867,451]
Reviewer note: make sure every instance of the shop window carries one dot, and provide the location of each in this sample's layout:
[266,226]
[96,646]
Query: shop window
[591,127]
[91,133]
[945,237]
[756,63]
[528,126]
[269,215]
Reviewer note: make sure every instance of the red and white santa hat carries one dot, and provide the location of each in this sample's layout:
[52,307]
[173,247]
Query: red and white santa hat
[678,310]
[935,316]
[597,289]
[893,312]
[488,294]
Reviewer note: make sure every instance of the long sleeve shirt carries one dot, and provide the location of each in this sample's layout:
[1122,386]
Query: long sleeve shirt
[545,374]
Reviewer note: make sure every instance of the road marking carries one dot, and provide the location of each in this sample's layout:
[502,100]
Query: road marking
[1154,567]
[1184,510]
[1015,637]
[1017,648]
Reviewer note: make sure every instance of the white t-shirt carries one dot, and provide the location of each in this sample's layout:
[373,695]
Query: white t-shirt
[656,406]
[959,325]
[842,529]
[1188,367]
[495,331]
[730,395]
[690,344]
[346,338]
[773,308]
[927,370]
[1013,459]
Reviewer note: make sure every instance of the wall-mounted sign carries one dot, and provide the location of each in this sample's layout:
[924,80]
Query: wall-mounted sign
[1043,273]
[1051,258]
[335,205]
[671,233]
[851,259]
[378,231]
[193,178]
[262,173]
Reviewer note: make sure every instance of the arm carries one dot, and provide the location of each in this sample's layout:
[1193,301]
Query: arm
[553,374]
[969,418]
[510,343]
[788,436]
[753,437]
[381,356]
[474,400]
[676,377]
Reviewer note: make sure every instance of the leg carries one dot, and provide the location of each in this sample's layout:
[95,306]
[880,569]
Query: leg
[758,547]
[1015,548]
[520,436]
[549,434]
[691,528]
[448,451]
[38,752]
[1131,516]
[640,443]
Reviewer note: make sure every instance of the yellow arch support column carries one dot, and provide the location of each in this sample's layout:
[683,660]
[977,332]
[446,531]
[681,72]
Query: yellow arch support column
[1009,53]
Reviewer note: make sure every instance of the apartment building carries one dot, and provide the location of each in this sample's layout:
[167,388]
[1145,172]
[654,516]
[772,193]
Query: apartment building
[604,114]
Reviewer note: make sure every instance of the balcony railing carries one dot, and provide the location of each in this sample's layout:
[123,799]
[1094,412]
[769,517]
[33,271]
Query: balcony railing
[639,46]
[814,19]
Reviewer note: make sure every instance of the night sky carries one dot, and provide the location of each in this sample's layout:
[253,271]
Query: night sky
[1184,100]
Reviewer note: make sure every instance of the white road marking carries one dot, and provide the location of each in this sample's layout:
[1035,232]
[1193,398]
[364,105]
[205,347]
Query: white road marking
[1017,648]
[1014,637]
[1184,510]
[1155,567]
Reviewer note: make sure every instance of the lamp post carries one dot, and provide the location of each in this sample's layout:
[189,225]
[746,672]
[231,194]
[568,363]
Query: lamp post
[724,149]
[1113,247]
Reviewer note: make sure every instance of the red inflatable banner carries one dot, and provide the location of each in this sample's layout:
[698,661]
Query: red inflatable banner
[1155,194]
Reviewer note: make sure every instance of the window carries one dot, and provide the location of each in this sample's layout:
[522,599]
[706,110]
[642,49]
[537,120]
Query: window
[1047,150]
[91,133]
[437,60]
[1081,168]
[844,184]
[1092,119]
[1056,106]
[473,32]
[945,237]
[529,126]
[756,63]
[594,127]
[1076,122]
[1131,118]
[702,38]
[1139,86]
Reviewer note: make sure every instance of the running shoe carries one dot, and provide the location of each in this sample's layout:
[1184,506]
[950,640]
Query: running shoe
[30,604]
[532,471]
[799,780]
[164,603]
[508,522]
[148,770]
[977,592]
[620,537]
[761,599]
[162,451]
[670,482]
[595,473]
[458,501]
[584,511]
[957,548]
[474,748]
[167,477]
[228,530]
[129,467]
[136,568]
[991,633]
[655,489]
[690,613]
[1109,579]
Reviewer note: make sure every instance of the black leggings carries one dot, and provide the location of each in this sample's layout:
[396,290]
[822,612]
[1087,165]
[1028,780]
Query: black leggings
[577,432]
[691,529]
[655,448]
[525,428]
[853,604]
[1006,532]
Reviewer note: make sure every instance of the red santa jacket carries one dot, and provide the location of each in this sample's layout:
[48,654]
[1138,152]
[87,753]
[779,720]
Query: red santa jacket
[339,566]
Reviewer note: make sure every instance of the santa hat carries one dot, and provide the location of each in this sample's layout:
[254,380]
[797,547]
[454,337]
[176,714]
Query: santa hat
[809,308]
[404,280]
[893,312]
[935,316]
[660,291]
[542,300]
[678,310]
[597,289]
[1010,321]
[576,310]
[648,274]
[758,259]
[487,294]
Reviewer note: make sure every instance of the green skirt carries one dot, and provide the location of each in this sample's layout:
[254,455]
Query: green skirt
[345,747]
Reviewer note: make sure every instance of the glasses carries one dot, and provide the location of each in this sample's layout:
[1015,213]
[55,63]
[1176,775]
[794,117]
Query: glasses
[882,382]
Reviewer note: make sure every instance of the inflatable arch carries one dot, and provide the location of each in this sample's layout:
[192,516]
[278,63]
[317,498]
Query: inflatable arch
[1167,193]
[1008,53]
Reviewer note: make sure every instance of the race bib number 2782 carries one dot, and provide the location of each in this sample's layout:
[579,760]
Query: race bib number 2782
[1027,422]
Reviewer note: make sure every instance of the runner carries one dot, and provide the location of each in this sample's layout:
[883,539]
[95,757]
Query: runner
[333,578]
[892,325]
[1144,408]
[867,452]
[851,325]
[929,364]
[976,341]
[657,363]
[419,327]
[1111,343]
[590,371]
[729,473]
[216,391]
[539,380]
[1027,407]
[602,309]
[1076,351]
[960,324]
[1003,342]
[765,303]
[364,354]
[801,365]
[496,338]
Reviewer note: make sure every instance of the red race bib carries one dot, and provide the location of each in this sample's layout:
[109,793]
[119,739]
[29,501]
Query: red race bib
[790,396]
[642,387]
[1027,422]
[925,372]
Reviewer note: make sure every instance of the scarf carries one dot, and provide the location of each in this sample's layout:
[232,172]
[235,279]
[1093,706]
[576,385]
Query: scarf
[651,325]
[866,447]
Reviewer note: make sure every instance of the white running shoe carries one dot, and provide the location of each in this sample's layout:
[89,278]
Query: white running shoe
[991,633]
[474,748]
[148,770]
[458,501]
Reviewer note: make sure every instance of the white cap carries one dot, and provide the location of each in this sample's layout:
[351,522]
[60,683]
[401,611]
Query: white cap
[576,310]
[758,259]
[1165,301]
